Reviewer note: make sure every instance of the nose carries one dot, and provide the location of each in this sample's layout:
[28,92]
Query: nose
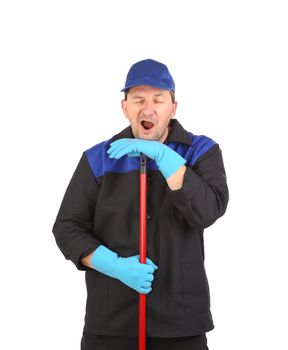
[148,108]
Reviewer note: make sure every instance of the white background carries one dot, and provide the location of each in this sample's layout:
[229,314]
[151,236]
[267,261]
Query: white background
[62,66]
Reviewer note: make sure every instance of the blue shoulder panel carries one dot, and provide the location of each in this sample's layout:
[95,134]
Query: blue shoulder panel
[200,145]
[100,162]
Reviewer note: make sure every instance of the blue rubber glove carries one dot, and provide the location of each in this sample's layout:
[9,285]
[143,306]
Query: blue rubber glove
[128,270]
[167,160]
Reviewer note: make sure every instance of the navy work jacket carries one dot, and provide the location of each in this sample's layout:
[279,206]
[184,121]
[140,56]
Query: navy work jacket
[101,206]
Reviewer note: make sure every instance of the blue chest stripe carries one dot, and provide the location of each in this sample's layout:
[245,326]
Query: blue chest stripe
[100,163]
[200,145]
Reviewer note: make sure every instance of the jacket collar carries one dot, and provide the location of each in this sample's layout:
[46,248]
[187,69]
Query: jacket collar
[176,134]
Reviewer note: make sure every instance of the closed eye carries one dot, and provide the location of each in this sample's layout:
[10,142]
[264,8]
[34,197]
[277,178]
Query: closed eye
[138,101]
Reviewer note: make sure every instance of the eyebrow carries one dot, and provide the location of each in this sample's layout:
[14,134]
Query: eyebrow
[136,97]
[159,94]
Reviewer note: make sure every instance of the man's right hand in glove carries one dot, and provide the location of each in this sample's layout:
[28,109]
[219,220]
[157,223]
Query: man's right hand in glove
[128,270]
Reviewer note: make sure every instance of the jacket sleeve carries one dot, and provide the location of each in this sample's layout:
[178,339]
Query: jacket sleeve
[73,228]
[204,196]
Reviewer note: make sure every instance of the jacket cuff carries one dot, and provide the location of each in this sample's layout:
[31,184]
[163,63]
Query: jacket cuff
[191,183]
[82,250]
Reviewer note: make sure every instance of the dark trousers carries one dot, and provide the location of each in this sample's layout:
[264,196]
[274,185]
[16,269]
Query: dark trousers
[101,342]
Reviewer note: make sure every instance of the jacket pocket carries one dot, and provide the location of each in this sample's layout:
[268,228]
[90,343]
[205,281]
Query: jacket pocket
[195,287]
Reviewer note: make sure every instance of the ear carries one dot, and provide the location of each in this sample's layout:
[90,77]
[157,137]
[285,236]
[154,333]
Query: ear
[124,107]
[174,108]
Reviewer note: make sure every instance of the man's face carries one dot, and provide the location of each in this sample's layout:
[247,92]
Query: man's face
[149,111]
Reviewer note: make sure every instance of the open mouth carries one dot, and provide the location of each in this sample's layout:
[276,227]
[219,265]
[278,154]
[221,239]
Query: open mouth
[147,125]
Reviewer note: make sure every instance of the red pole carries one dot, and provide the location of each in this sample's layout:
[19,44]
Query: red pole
[142,297]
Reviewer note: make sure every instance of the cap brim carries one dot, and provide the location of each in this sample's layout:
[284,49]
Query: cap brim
[153,84]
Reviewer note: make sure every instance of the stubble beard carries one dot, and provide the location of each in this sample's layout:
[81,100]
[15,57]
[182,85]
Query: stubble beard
[159,135]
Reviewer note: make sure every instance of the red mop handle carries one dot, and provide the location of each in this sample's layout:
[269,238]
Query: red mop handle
[142,297]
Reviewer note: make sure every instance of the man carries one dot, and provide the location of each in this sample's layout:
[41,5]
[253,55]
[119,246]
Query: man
[97,226]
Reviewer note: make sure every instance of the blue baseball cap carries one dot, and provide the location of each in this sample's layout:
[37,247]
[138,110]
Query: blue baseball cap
[149,73]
